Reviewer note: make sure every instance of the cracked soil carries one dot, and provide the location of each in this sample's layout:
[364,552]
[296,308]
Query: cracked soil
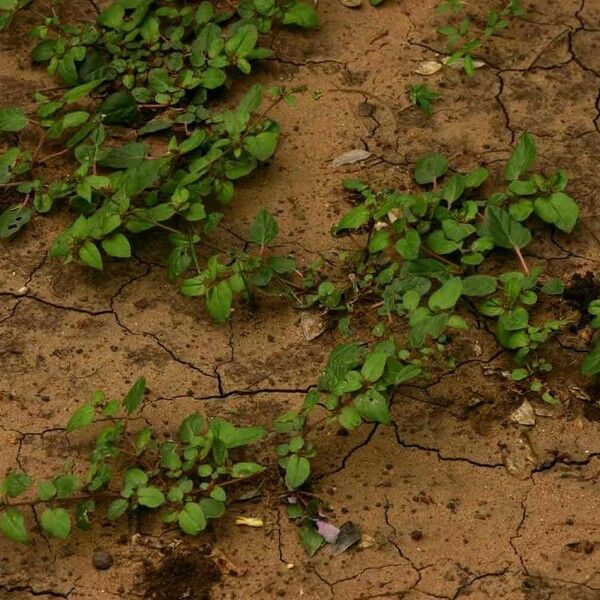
[460,502]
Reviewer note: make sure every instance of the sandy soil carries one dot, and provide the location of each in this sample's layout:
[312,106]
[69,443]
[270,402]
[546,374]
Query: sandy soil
[460,502]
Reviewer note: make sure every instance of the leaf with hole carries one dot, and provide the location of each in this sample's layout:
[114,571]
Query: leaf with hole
[13,219]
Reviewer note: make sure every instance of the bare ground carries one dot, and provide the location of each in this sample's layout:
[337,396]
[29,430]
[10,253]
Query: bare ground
[460,502]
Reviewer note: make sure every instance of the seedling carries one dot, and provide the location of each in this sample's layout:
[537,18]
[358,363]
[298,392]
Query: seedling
[460,43]
[422,97]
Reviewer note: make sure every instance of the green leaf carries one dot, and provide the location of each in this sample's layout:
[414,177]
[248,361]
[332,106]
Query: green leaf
[80,91]
[476,177]
[134,478]
[456,231]
[373,406]
[522,188]
[213,78]
[15,484]
[46,491]
[591,363]
[218,302]
[234,169]
[349,418]
[246,469]
[504,230]
[521,210]
[519,374]
[310,539]
[44,51]
[119,108]
[522,157]
[300,14]
[234,437]
[12,525]
[212,509]
[559,209]
[117,245]
[264,228]
[90,255]
[190,428]
[125,156]
[297,471]
[75,119]
[553,287]
[12,119]
[56,522]
[513,320]
[134,396]
[430,168]
[142,439]
[398,373]
[440,244]
[242,42]
[447,295]
[13,219]
[66,485]
[374,366]
[261,146]
[454,189]
[219,494]
[353,219]
[478,285]
[82,417]
[150,496]
[191,519]
[117,508]
[408,247]
[112,16]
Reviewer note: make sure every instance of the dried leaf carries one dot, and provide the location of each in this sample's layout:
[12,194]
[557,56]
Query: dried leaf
[366,541]
[428,67]
[249,521]
[328,530]
[459,63]
[250,494]
[351,3]
[348,536]
[524,415]
[313,324]
[351,157]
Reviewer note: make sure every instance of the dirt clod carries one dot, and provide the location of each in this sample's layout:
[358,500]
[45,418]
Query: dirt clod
[581,291]
[188,576]
[416,535]
[102,560]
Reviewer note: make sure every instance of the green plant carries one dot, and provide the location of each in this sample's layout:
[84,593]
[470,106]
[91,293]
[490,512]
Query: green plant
[425,256]
[460,43]
[151,68]
[591,363]
[131,469]
[422,97]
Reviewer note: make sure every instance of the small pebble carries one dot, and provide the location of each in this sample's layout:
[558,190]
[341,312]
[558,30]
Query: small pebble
[416,535]
[102,560]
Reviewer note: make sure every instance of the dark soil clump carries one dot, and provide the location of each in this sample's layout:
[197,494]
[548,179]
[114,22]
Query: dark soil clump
[582,290]
[181,577]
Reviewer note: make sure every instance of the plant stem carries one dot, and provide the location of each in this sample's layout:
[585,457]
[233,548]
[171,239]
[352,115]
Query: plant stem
[521,260]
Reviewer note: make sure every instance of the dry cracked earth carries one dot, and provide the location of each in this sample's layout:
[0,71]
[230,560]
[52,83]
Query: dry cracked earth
[460,501]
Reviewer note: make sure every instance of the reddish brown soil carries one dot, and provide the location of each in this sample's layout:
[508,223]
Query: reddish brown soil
[461,503]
